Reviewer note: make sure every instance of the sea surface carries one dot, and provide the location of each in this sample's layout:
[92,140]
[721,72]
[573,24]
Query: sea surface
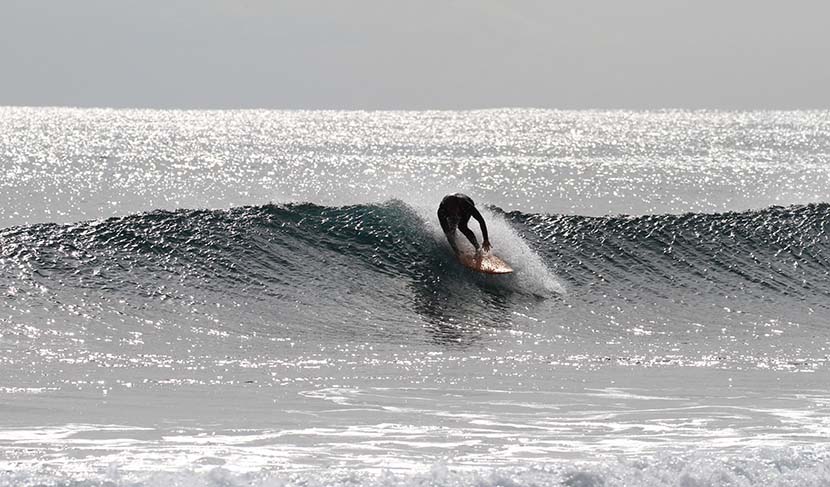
[265,298]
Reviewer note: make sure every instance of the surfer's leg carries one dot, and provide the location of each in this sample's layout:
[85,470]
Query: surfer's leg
[462,226]
[451,240]
[448,226]
[442,218]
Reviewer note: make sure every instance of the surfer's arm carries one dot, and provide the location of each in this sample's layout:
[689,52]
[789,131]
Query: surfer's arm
[486,244]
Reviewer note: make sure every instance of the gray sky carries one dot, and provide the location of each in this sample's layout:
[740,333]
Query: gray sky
[368,54]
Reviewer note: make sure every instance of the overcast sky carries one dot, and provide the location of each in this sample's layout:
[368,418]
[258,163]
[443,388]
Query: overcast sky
[417,54]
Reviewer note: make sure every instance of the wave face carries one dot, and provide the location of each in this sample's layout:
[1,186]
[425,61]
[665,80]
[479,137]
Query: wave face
[775,254]
[308,268]
[375,270]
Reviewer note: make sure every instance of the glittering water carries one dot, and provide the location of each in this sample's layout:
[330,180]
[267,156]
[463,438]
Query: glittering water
[235,324]
[66,165]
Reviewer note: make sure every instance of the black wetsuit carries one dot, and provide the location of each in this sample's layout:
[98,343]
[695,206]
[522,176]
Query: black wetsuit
[454,212]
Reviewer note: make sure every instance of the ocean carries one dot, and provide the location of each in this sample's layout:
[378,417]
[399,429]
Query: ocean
[265,298]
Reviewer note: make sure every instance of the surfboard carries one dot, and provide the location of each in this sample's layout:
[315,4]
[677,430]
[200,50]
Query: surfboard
[486,263]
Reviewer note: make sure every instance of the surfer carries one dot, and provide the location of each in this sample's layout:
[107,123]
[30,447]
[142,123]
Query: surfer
[454,212]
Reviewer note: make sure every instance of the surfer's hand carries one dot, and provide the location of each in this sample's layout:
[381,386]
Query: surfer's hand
[485,246]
